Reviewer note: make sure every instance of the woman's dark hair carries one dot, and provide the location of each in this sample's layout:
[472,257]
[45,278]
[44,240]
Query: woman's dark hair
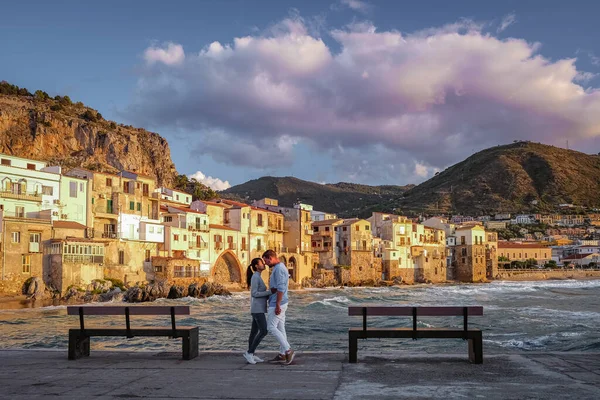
[252,269]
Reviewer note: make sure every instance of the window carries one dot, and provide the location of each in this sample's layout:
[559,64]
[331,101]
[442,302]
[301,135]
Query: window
[258,245]
[158,268]
[176,197]
[138,185]
[344,229]
[462,240]
[34,242]
[4,161]
[315,229]
[109,206]
[132,205]
[326,229]
[81,186]
[47,190]
[73,189]
[19,212]
[175,238]
[125,187]
[26,263]
[121,257]
[259,220]
[147,257]
[185,238]
[151,229]
[464,260]
[108,182]
[169,219]
[367,227]
[16,237]
[159,230]
[139,206]
[218,238]
[357,228]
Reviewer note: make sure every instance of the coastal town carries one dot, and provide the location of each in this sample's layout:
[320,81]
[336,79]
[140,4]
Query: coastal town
[72,227]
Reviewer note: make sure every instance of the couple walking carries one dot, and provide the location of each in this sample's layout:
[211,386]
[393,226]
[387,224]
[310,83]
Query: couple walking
[277,300]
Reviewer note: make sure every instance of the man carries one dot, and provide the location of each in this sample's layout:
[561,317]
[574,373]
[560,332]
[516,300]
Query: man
[278,303]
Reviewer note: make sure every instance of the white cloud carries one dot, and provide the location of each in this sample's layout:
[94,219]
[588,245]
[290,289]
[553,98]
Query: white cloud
[507,21]
[356,5]
[431,97]
[213,183]
[173,54]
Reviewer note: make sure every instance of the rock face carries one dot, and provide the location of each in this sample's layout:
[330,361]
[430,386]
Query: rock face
[34,288]
[72,135]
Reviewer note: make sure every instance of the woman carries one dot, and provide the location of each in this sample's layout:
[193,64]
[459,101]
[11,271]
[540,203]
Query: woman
[258,308]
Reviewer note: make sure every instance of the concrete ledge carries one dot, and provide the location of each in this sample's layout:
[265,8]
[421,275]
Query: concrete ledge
[32,374]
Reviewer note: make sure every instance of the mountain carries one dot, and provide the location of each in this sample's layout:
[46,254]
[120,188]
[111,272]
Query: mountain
[519,177]
[70,134]
[344,199]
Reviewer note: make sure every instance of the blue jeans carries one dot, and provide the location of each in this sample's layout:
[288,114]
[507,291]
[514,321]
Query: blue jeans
[258,331]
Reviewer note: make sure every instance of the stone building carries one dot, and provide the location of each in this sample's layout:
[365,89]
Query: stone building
[324,240]
[355,246]
[469,264]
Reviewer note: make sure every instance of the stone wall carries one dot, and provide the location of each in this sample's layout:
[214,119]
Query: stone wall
[542,274]
[361,267]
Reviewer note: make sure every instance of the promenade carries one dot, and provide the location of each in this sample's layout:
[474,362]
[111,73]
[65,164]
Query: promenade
[47,374]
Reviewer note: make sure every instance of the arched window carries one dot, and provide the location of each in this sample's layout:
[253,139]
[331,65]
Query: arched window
[6,184]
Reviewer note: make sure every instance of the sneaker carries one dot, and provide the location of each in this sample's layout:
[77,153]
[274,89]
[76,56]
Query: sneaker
[278,358]
[258,359]
[289,356]
[249,357]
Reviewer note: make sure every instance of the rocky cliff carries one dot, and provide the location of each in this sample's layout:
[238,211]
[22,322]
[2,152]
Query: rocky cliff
[70,134]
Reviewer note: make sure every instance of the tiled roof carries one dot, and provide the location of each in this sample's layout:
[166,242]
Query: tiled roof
[68,225]
[186,209]
[212,203]
[511,245]
[578,256]
[327,222]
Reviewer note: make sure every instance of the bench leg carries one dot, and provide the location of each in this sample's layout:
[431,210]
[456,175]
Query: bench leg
[476,349]
[190,345]
[79,345]
[353,347]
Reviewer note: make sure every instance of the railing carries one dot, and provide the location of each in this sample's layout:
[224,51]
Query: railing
[200,228]
[110,235]
[27,215]
[244,247]
[21,196]
[196,245]
[367,247]
[218,245]
[83,258]
[274,227]
[231,245]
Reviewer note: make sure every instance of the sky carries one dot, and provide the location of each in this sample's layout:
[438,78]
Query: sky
[364,91]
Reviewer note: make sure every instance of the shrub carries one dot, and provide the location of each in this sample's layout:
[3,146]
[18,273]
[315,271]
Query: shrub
[112,125]
[89,115]
[117,283]
[56,107]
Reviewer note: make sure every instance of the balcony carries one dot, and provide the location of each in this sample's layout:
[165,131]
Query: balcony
[109,235]
[244,247]
[7,194]
[275,228]
[196,245]
[218,245]
[38,216]
[83,259]
[231,246]
[199,228]
[357,247]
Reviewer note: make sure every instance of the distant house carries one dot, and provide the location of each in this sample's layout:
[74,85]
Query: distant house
[524,251]
[582,259]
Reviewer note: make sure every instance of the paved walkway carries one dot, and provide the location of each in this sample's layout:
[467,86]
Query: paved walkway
[36,374]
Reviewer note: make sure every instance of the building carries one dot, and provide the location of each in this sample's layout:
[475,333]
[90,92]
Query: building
[515,251]
[495,225]
[469,256]
[582,259]
[324,240]
[175,196]
[321,216]
[355,245]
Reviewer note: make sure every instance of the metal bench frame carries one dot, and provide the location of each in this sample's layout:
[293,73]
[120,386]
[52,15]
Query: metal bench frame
[473,336]
[79,339]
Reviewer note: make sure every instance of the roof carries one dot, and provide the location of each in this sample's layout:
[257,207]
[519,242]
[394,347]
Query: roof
[71,239]
[212,203]
[233,203]
[512,245]
[463,227]
[351,221]
[187,209]
[226,228]
[68,225]
[579,256]
[327,222]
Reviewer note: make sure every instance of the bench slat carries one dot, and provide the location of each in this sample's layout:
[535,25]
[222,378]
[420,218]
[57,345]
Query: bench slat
[133,310]
[407,311]
[408,333]
[136,331]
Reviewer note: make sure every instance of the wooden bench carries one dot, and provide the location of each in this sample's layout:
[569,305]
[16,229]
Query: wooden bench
[79,339]
[472,335]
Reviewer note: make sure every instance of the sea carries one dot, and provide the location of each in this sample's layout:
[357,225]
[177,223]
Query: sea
[543,316]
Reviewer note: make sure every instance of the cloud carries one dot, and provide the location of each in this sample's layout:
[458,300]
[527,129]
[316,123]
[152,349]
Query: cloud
[356,5]
[427,98]
[173,54]
[507,21]
[213,183]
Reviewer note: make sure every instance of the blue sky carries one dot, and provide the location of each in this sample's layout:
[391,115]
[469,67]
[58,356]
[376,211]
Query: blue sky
[376,92]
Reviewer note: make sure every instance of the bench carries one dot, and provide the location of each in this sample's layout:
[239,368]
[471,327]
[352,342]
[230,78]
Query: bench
[79,339]
[472,335]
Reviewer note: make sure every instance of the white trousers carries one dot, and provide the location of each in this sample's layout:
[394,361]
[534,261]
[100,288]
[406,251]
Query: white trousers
[276,327]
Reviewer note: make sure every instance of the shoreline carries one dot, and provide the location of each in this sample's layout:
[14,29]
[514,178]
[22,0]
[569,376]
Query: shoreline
[10,302]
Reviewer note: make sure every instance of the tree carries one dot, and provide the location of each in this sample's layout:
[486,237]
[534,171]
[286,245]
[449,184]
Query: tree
[89,115]
[40,95]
